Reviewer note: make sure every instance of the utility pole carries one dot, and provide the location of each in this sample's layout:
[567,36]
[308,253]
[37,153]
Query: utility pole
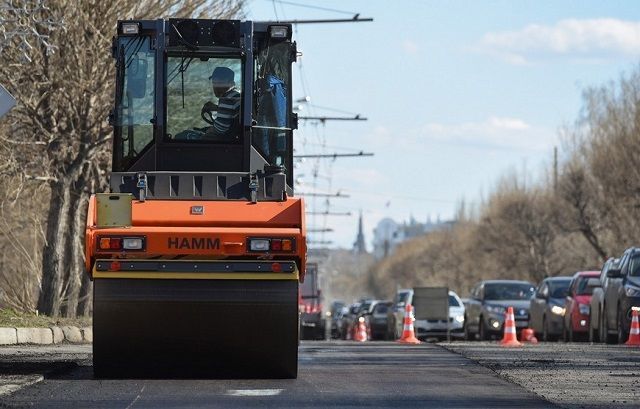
[555,169]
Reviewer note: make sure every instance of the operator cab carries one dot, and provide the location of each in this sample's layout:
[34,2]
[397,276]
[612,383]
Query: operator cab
[203,110]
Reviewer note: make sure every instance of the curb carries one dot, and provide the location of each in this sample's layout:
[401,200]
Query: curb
[45,336]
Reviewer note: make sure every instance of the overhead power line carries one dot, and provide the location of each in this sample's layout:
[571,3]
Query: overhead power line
[335,155]
[332,118]
[355,19]
[327,213]
[313,194]
[319,230]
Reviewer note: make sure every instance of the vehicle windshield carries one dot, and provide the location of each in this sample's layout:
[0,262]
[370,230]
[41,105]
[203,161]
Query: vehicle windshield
[204,99]
[558,288]
[634,268]
[508,291]
[366,306]
[309,287]
[453,302]
[402,297]
[581,286]
[381,309]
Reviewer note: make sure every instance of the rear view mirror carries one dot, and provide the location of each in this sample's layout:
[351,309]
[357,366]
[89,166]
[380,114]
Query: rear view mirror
[594,282]
[614,273]
[137,78]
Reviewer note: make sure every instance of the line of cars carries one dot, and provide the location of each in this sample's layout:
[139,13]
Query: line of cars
[385,319]
[590,305]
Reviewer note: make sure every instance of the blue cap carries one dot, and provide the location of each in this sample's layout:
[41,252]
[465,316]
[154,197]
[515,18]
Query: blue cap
[222,76]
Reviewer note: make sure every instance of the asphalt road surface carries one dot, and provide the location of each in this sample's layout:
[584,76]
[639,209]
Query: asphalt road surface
[331,375]
[572,375]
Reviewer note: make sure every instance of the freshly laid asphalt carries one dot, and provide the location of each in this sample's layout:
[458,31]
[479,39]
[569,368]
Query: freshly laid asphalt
[331,375]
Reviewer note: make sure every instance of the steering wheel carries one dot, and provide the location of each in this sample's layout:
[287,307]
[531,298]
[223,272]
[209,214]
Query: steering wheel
[206,112]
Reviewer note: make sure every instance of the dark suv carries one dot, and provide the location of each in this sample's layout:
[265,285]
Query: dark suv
[621,288]
[484,314]
[547,308]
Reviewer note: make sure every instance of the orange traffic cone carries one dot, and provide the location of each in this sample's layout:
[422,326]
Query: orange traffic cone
[408,334]
[528,336]
[510,339]
[361,331]
[634,332]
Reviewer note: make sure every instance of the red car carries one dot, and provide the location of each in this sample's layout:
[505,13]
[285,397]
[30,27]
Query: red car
[577,306]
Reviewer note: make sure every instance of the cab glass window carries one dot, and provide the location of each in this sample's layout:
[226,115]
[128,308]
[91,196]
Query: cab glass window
[271,135]
[204,99]
[134,99]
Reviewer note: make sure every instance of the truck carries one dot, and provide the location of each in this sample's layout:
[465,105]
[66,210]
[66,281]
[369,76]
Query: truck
[197,249]
[312,322]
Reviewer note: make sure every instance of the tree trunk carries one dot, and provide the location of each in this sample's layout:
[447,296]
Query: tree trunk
[77,218]
[54,261]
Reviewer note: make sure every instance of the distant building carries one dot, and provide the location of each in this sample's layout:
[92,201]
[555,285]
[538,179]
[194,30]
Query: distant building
[360,246]
[388,233]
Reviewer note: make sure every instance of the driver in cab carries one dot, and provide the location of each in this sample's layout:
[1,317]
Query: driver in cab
[225,126]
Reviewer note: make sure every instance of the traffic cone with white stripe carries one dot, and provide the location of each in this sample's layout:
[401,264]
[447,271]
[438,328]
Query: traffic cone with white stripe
[634,332]
[408,334]
[361,331]
[510,339]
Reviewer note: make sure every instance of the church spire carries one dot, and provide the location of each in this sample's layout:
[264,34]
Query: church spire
[359,246]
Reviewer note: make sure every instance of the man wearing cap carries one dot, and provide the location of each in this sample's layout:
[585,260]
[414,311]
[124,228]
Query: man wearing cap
[226,122]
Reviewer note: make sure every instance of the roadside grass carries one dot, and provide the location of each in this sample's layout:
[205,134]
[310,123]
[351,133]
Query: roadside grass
[11,318]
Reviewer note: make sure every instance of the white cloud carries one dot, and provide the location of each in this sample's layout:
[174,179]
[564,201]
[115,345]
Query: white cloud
[581,39]
[410,47]
[494,132]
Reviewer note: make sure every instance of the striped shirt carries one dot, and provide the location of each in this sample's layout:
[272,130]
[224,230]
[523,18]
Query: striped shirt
[228,111]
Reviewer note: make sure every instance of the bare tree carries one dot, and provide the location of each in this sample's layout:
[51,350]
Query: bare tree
[62,76]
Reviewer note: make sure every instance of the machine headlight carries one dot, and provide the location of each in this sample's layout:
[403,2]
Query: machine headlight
[278,31]
[496,309]
[132,243]
[130,28]
[558,310]
[259,244]
[459,318]
[584,309]
[631,291]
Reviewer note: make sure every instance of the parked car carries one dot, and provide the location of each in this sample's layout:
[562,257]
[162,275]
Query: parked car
[484,315]
[378,320]
[438,328]
[596,329]
[546,311]
[348,318]
[621,292]
[335,314]
[395,314]
[577,306]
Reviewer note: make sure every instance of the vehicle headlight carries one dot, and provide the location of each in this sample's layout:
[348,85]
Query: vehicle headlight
[584,309]
[496,309]
[459,318]
[558,310]
[631,291]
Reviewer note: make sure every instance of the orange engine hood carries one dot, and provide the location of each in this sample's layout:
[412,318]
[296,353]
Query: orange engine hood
[217,213]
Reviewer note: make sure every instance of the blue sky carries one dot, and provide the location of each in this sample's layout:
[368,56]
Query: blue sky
[456,94]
